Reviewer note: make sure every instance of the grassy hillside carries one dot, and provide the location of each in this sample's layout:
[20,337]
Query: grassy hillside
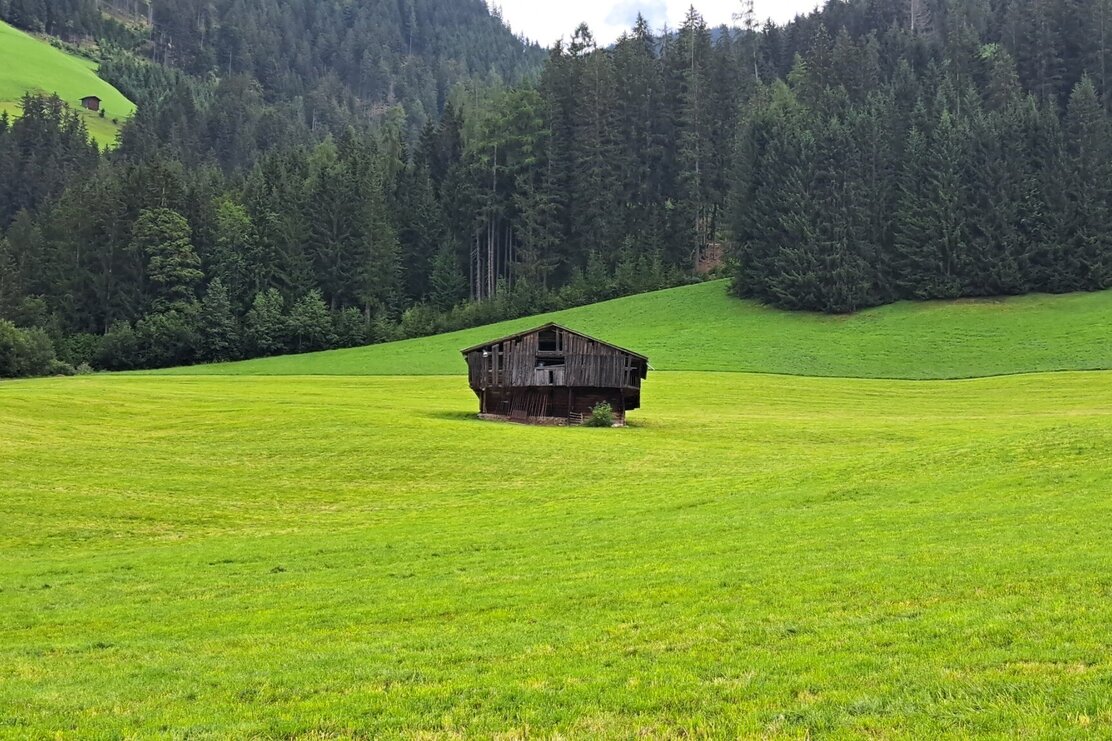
[29,64]
[701,328]
[759,556]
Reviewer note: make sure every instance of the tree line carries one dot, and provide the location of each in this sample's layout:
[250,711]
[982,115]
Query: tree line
[134,258]
[870,152]
[961,152]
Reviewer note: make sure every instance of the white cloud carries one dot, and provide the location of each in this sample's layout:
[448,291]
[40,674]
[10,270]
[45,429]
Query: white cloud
[546,21]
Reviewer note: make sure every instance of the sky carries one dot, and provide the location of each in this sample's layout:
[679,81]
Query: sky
[545,21]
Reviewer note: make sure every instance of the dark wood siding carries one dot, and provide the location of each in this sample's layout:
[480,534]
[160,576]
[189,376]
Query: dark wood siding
[553,375]
[577,361]
[524,405]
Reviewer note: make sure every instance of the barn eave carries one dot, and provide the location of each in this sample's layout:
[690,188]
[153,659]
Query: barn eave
[552,325]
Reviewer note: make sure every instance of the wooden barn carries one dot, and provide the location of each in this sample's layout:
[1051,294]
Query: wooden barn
[554,375]
[91,102]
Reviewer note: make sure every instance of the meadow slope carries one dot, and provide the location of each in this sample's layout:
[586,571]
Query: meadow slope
[28,64]
[238,556]
[702,328]
[346,554]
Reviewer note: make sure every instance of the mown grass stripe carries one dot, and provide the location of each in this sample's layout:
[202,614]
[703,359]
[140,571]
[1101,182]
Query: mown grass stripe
[757,556]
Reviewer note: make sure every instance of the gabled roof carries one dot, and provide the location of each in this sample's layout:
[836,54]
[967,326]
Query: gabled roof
[91,97]
[552,325]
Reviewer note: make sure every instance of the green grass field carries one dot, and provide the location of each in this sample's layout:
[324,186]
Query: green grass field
[702,328]
[28,64]
[234,556]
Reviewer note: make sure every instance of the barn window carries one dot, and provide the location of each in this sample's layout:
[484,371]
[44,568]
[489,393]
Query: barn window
[550,370]
[549,341]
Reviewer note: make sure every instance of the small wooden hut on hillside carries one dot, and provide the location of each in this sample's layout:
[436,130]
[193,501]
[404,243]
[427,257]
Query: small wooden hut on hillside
[554,375]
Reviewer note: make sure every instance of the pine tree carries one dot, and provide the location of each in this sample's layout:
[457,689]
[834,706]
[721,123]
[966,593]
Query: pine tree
[335,239]
[26,250]
[748,19]
[771,208]
[219,332]
[163,236]
[265,324]
[380,277]
[947,247]
[597,280]
[10,292]
[421,229]
[232,260]
[350,328]
[537,254]
[919,16]
[993,173]
[695,152]
[915,229]
[447,284]
[309,324]
[1089,187]
[1038,49]
[592,188]
[1099,61]
[641,119]
[1047,263]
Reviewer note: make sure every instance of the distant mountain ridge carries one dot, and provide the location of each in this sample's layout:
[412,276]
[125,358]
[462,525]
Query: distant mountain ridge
[394,52]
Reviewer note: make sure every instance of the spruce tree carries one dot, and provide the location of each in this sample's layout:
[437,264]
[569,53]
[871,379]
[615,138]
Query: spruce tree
[173,267]
[695,153]
[309,325]
[593,185]
[1089,187]
[217,326]
[232,259]
[265,329]
[420,229]
[447,284]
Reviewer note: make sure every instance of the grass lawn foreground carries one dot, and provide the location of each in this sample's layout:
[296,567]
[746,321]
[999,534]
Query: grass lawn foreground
[235,556]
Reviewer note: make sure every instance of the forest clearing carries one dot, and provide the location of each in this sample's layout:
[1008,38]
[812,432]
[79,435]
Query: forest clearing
[30,65]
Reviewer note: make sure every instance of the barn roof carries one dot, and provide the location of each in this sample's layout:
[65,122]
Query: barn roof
[552,325]
[91,97]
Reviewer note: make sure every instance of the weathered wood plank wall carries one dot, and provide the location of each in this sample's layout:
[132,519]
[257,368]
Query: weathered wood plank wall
[571,361]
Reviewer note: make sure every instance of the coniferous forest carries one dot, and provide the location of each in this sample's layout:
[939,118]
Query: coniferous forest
[314,174]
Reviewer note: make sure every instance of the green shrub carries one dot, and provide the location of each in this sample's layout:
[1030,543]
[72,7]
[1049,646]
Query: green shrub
[119,348]
[421,320]
[602,415]
[24,352]
[59,368]
[166,338]
[84,369]
[79,348]
[350,328]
